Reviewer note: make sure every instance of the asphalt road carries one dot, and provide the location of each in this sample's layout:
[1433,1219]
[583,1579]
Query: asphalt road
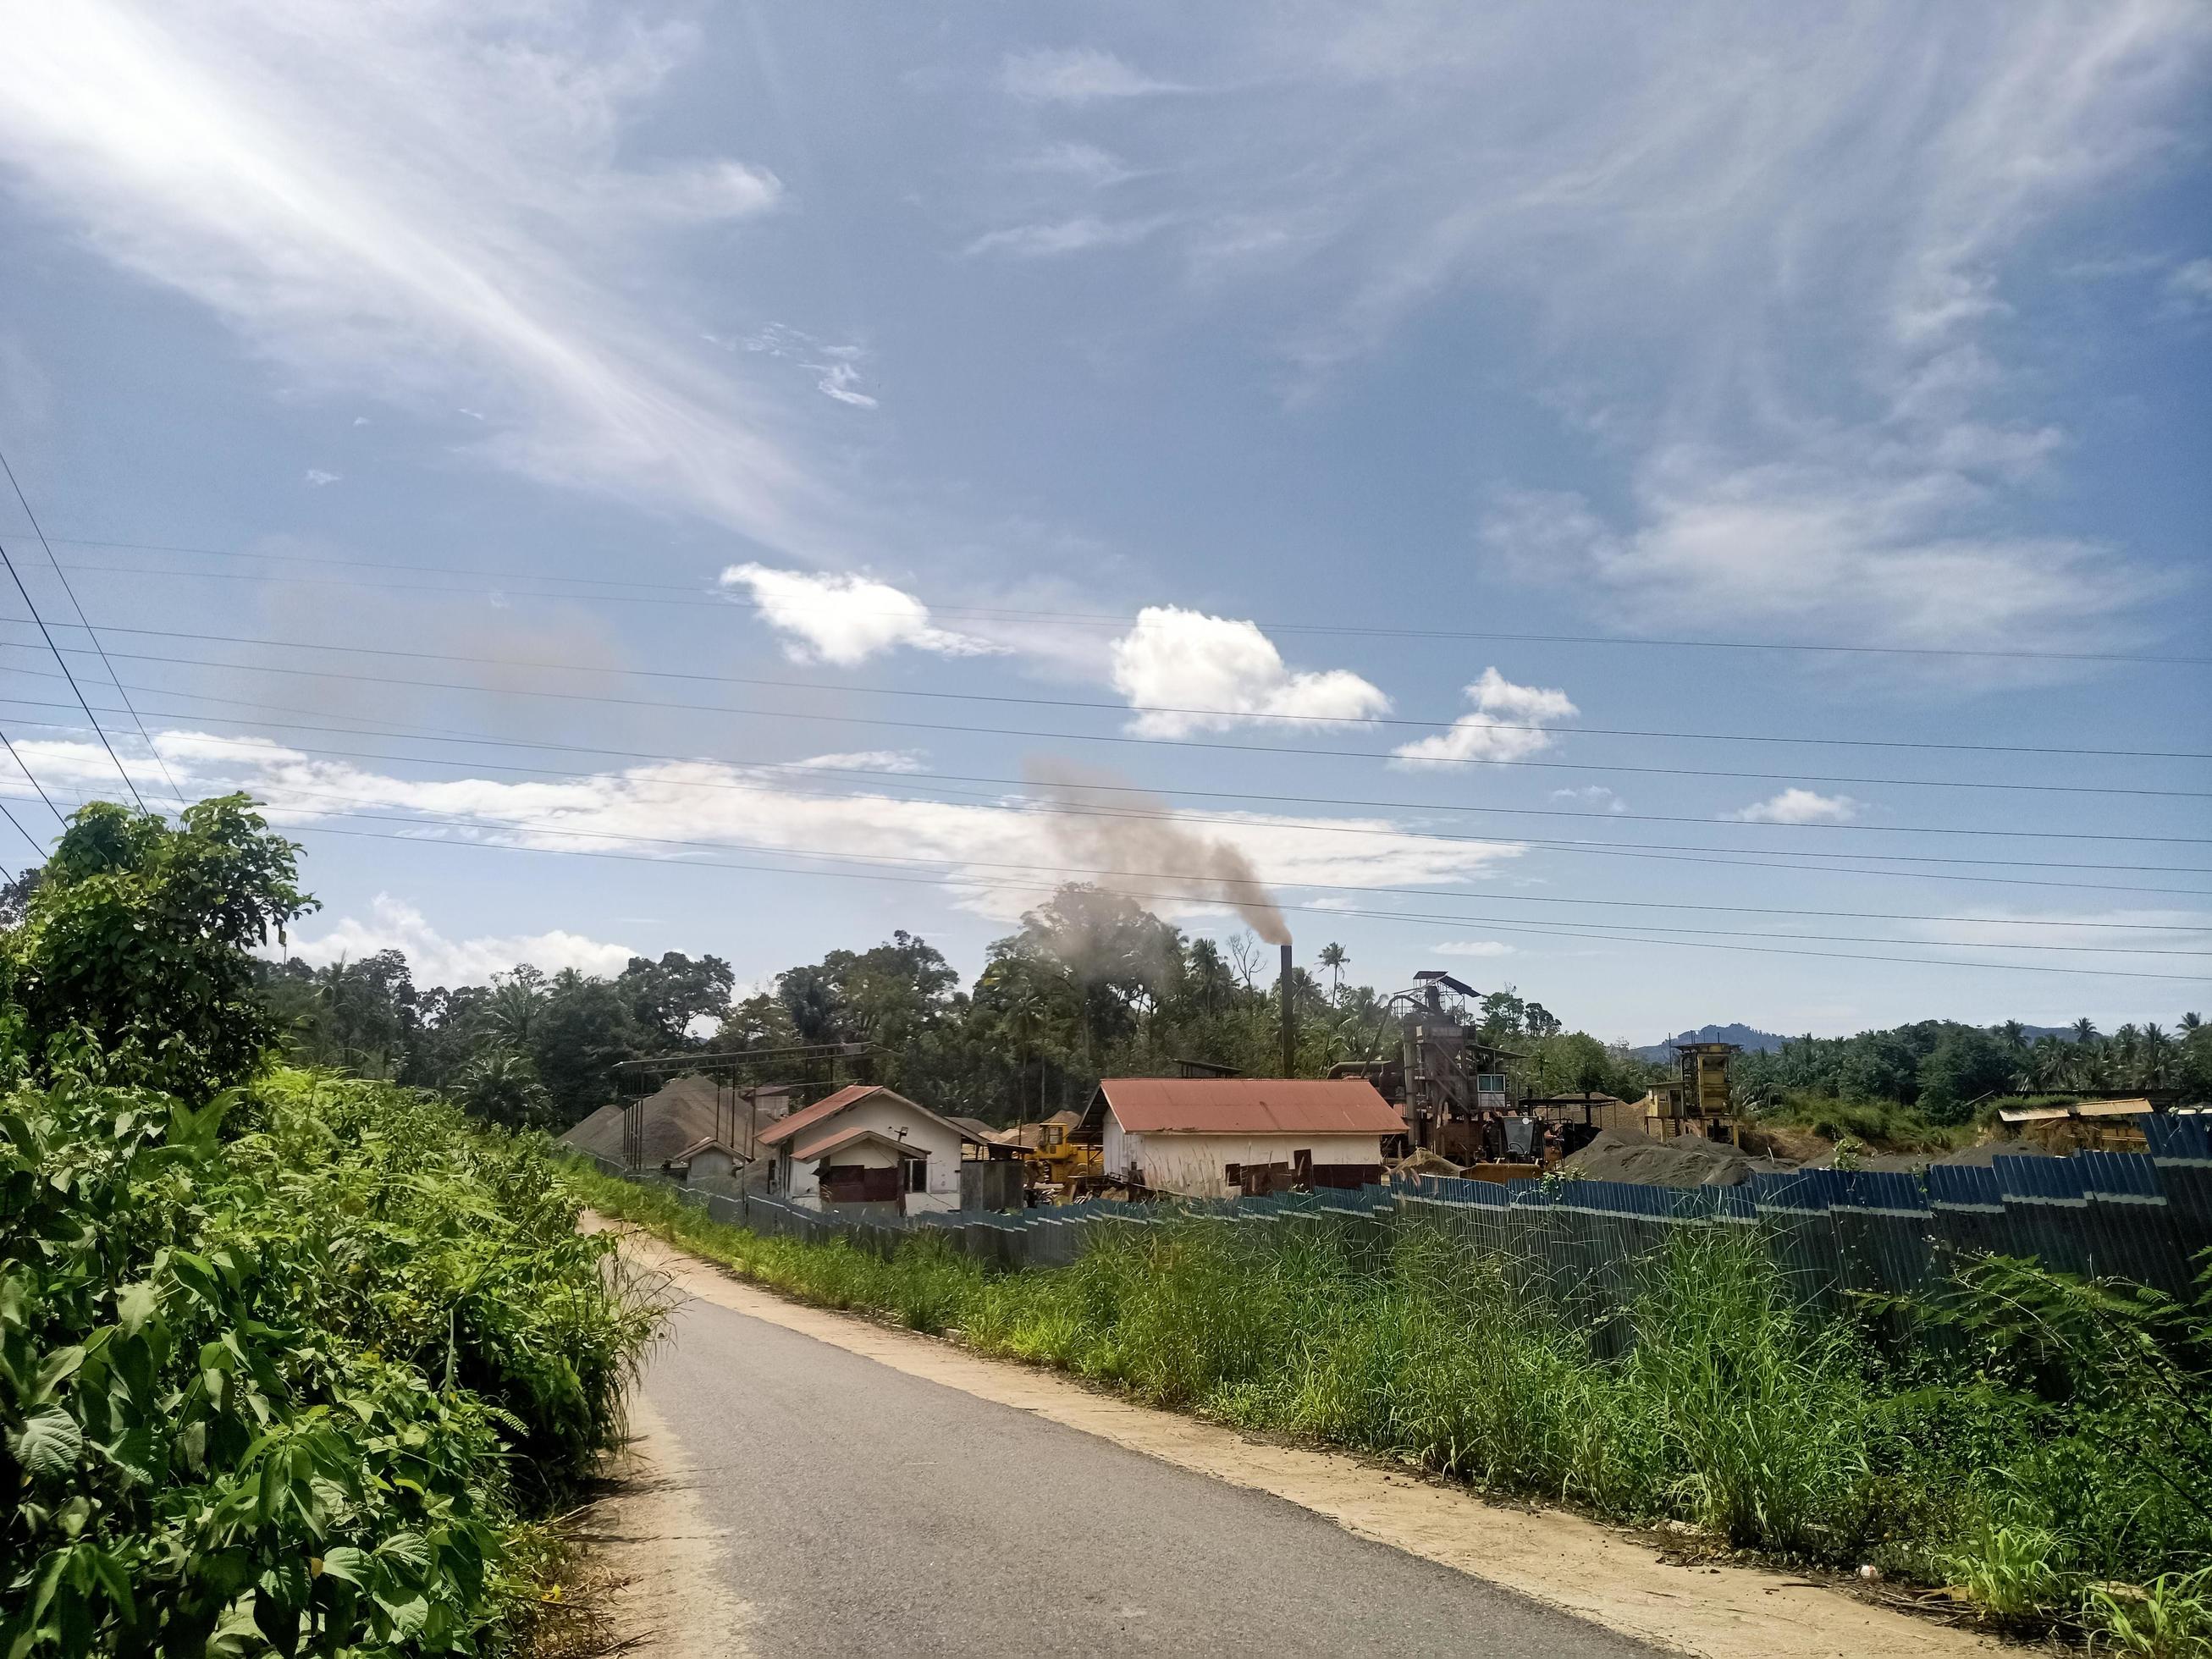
[862,1510]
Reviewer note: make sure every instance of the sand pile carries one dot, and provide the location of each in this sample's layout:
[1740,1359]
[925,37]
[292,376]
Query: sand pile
[1683,1162]
[1427,1161]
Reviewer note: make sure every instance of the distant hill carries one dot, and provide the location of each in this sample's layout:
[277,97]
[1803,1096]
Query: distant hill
[1755,1041]
[1743,1036]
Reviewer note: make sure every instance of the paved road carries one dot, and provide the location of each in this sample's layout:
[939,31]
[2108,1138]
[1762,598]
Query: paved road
[866,1511]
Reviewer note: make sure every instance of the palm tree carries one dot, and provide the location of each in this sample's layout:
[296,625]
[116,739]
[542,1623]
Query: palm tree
[1334,956]
[2085,1030]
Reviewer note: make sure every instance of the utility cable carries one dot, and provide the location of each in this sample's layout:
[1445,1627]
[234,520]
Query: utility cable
[1328,911]
[910,779]
[21,831]
[86,622]
[71,678]
[33,778]
[1123,620]
[1440,725]
[483,821]
[1185,742]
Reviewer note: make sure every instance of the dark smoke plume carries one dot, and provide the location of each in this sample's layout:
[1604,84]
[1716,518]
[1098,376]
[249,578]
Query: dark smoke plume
[1158,854]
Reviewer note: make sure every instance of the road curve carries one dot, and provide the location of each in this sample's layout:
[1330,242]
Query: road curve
[857,1510]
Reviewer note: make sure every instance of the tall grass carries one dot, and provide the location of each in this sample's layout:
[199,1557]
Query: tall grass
[1727,1408]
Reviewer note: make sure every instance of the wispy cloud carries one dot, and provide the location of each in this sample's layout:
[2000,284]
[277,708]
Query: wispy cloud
[1187,672]
[846,619]
[317,478]
[1079,235]
[1596,796]
[1796,805]
[423,203]
[1082,74]
[1471,947]
[999,857]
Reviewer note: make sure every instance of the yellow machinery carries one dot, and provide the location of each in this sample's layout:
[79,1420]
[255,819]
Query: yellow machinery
[1697,1102]
[1059,1166]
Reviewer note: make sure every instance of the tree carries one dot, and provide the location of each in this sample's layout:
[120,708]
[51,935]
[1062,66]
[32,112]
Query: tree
[666,996]
[502,1086]
[1333,958]
[138,936]
[584,1031]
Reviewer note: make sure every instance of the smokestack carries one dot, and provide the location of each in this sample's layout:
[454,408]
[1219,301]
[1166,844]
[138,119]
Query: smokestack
[1290,1019]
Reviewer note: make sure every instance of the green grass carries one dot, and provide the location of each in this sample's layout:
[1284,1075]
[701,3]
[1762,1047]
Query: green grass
[1885,1126]
[1958,1462]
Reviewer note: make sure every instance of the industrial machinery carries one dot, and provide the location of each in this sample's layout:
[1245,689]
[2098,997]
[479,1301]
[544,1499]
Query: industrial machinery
[1697,1102]
[1453,1089]
[1059,1168]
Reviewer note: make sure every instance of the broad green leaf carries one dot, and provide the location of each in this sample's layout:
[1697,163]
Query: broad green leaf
[49,1441]
[345,1563]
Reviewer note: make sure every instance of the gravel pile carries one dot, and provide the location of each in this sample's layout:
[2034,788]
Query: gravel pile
[1684,1162]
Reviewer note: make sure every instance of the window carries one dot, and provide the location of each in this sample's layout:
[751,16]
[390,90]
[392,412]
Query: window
[1233,1174]
[917,1175]
[1490,1083]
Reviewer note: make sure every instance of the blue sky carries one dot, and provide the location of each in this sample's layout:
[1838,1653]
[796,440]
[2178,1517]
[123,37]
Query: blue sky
[842,468]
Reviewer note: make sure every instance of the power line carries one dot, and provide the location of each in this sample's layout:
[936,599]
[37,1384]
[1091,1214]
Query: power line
[21,831]
[503,825]
[64,664]
[1123,620]
[602,699]
[33,778]
[932,780]
[1442,724]
[63,576]
[1185,898]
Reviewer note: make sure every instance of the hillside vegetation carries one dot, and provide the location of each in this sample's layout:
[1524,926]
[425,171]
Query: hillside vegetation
[287,1361]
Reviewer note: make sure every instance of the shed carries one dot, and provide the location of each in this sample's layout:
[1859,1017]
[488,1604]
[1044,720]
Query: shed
[1210,1137]
[708,1164]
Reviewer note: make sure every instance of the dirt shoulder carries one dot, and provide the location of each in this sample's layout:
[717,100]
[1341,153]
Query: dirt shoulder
[1611,1577]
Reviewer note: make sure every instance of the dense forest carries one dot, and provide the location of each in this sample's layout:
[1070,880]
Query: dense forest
[1091,985]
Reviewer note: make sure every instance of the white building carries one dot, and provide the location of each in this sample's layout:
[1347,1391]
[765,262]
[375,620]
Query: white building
[1207,1137]
[865,1144]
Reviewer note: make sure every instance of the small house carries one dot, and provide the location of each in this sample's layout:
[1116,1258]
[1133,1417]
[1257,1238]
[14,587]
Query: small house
[707,1164]
[866,1145]
[1214,1136]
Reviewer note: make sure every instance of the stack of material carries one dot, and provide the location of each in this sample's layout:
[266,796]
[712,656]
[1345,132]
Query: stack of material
[676,1115]
[1685,1161]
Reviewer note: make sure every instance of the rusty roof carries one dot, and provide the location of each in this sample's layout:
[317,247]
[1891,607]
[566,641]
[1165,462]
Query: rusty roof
[828,1106]
[1248,1106]
[836,1141]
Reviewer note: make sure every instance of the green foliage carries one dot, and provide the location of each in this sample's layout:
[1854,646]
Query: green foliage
[291,1387]
[136,939]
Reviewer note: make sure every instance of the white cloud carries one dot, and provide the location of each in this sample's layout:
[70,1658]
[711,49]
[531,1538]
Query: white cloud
[1794,806]
[1882,547]
[837,368]
[423,202]
[845,620]
[432,959]
[1471,947]
[317,478]
[1084,74]
[864,760]
[1085,163]
[1187,672]
[1593,795]
[2189,288]
[998,857]
[1045,241]
[1507,723]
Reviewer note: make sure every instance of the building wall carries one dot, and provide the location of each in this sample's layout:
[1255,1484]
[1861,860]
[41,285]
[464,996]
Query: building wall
[1195,1166]
[795,1180]
[713,1170]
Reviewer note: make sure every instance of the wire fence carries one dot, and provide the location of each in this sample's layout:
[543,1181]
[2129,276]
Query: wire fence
[1837,1235]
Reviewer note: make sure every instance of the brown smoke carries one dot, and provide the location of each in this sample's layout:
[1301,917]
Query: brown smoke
[1159,855]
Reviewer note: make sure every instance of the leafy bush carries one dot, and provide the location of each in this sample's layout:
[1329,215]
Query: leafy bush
[265,1390]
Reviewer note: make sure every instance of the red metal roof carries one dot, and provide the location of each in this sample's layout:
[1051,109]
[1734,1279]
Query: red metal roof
[828,1106]
[1250,1106]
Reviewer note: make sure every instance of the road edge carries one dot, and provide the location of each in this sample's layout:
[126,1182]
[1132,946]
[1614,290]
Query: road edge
[1552,1557]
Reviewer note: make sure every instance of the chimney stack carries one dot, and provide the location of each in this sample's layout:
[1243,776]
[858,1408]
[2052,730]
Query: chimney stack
[1290,1018]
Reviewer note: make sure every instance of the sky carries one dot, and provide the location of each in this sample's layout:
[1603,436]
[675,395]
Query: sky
[1696,513]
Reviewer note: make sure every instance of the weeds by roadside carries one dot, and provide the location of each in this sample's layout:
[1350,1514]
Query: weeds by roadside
[2043,1451]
